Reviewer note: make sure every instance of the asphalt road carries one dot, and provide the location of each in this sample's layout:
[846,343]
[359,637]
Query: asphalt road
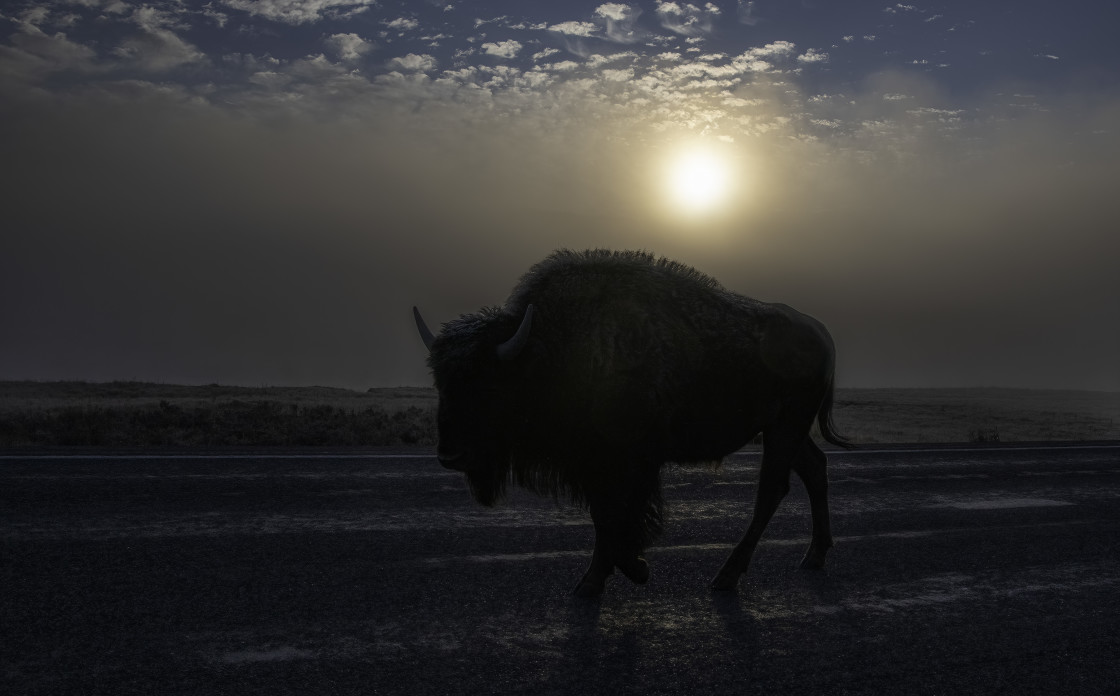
[956,571]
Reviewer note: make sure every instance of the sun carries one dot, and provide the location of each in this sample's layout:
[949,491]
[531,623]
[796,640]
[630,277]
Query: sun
[698,179]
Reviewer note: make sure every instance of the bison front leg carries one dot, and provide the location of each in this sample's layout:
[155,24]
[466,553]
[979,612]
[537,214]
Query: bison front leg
[617,545]
[602,559]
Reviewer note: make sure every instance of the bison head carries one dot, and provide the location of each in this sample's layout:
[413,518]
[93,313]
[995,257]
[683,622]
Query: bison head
[475,363]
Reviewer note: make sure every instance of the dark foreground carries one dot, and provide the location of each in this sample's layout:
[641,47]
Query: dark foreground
[955,572]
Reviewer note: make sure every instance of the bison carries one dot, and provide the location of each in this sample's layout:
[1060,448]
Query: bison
[603,366]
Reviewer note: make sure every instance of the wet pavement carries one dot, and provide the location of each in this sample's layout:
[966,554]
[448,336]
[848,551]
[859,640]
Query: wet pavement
[956,571]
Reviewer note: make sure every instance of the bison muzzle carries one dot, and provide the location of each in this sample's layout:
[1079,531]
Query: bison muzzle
[602,367]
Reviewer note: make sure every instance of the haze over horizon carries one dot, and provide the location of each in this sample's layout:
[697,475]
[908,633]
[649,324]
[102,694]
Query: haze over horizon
[256,193]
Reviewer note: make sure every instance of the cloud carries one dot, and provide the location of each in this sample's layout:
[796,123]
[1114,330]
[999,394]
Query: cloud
[598,60]
[402,24]
[348,47]
[562,66]
[219,18]
[618,75]
[613,21]
[746,13]
[615,11]
[478,22]
[774,50]
[34,54]
[761,59]
[414,63]
[157,48]
[687,19]
[813,56]
[502,49]
[298,11]
[275,157]
[585,29]
[34,15]
[621,22]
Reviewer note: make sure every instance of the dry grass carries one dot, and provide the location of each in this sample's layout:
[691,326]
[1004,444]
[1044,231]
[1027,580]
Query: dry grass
[864,415]
[142,414]
[24,396]
[970,415]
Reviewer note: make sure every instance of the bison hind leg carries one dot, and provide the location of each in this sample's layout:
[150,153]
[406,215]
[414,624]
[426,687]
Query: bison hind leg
[810,466]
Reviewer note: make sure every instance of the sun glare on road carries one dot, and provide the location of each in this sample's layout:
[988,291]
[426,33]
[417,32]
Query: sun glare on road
[699,180]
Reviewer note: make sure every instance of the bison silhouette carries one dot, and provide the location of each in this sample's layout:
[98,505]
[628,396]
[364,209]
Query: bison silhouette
[603,366]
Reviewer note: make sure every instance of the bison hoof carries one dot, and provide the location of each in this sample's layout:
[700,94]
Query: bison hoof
[724,583]
[814,560]
[587,589]
[635,569]
[811,563]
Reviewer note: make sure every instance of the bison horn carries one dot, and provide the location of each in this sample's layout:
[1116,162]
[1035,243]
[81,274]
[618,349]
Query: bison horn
[425,334]
[513,347]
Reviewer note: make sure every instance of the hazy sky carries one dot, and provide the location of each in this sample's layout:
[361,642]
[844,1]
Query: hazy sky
[257,192]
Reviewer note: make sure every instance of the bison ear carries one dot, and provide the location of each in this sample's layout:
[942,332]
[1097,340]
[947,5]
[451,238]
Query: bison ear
[513,347]
[425,334]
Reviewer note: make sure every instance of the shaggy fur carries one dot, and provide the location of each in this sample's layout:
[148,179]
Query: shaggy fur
[632,361]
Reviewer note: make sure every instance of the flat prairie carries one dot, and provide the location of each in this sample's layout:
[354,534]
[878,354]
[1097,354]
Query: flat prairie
[976,415]
[866,416]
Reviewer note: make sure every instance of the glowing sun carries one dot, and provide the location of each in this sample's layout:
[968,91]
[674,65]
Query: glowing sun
[698,180]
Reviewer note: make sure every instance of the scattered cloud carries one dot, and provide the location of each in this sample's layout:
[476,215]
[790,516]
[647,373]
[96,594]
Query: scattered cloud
[763,58]
[620,22]
[562,66]
[622,75]
[586,29]
[495,20]
[502,49]
[813,56]
[597,60]
[414,63]
[219,18]
[687,19]
[348,47]
[33,54]
[244,116]
[402,24]
[746,14]
[156,47]
[298,11]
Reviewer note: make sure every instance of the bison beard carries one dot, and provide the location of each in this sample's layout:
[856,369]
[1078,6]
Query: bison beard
[602,367]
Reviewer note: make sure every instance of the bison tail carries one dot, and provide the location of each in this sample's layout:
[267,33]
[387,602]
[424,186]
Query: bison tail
[827,427]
